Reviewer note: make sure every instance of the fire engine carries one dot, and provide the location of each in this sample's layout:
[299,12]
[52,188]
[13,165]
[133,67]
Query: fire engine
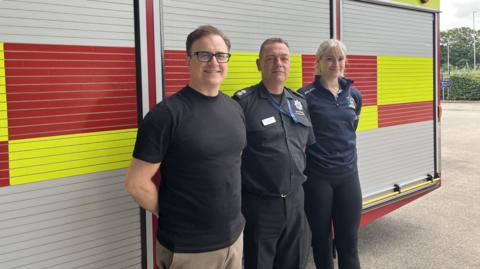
[77,76]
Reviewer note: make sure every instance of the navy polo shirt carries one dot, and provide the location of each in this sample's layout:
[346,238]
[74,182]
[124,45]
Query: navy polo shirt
[273,161]
[334,120]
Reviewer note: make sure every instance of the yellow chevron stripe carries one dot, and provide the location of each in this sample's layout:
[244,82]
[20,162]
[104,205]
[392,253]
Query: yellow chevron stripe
[73,139]
[294,80]
[435,4]
[2,49]
[45,158]
[368,118]
[3,98]
[80,156]
[48,175]
[404,80]
[243,72]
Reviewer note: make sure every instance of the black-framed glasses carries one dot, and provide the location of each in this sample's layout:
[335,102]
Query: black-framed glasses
[206,56]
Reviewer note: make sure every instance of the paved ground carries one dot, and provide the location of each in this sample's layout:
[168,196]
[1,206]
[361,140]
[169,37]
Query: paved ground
[442,229]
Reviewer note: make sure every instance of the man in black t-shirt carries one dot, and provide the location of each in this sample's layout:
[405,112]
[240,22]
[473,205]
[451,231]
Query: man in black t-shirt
[278,130]
[197,136]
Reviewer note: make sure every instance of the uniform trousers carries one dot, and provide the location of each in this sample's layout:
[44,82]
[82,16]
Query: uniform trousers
[276,232]
[337,200]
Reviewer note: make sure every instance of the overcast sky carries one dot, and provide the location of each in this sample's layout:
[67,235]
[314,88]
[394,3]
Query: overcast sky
[458,13]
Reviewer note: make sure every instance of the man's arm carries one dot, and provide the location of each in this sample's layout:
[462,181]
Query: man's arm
[140,186]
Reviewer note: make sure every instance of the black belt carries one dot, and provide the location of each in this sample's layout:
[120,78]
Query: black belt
[281,195]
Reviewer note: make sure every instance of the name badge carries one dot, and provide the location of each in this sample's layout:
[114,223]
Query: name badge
[268,121]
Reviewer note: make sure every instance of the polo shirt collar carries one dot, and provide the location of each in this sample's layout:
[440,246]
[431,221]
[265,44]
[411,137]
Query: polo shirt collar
[344,83]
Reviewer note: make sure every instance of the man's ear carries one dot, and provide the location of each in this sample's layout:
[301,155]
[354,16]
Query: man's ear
[259,67]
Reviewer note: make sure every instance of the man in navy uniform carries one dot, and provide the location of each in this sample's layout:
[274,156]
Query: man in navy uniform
[278,125]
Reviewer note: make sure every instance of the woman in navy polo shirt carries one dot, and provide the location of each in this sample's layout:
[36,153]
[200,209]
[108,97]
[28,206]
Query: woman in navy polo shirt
[332,190]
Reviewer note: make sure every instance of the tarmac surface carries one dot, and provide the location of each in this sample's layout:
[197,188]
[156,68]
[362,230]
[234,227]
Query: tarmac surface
[440,230]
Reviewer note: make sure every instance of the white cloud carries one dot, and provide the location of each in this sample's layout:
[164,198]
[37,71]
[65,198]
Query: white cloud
[459,13]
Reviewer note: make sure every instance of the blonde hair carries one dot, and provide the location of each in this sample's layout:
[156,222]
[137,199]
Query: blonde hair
[324,47]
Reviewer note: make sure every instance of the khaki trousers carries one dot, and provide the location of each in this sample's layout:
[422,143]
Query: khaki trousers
[225,258]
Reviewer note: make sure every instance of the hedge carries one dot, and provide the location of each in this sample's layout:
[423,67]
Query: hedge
[464,86]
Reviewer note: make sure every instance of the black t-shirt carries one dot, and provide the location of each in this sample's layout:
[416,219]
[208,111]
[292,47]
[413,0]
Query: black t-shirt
[198,140]
[278,132]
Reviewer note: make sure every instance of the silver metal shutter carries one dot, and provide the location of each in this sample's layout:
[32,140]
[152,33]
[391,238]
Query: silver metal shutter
[247,23]
[86,220]
[403,153]
[370,29]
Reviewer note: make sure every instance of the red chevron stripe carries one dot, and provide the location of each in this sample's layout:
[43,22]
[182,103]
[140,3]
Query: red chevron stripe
[176,71]
[389,115]
[363,70]
[62,89]
[4,168]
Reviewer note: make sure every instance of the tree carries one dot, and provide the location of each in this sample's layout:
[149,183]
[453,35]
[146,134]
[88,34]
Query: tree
[460,41]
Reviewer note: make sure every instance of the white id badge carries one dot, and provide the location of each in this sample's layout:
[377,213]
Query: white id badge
[268,121]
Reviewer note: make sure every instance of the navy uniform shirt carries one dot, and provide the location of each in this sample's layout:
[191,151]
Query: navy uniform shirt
[274,159]
[334,120]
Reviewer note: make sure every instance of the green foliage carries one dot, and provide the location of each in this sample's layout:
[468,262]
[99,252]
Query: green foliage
[460,42]
[464,86]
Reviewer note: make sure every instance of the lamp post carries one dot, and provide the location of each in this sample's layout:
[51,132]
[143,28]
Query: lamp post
[448,59]
[448,70]
[474,41]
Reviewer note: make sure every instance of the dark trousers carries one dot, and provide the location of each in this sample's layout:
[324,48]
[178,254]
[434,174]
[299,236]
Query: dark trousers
[336,200]
[276,232]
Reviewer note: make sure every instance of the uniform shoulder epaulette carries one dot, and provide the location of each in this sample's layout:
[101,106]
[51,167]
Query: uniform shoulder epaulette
[307,90]
[244,92]
[297,94]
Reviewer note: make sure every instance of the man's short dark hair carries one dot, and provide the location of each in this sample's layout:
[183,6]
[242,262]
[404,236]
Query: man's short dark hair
[270,41]
[202,31]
